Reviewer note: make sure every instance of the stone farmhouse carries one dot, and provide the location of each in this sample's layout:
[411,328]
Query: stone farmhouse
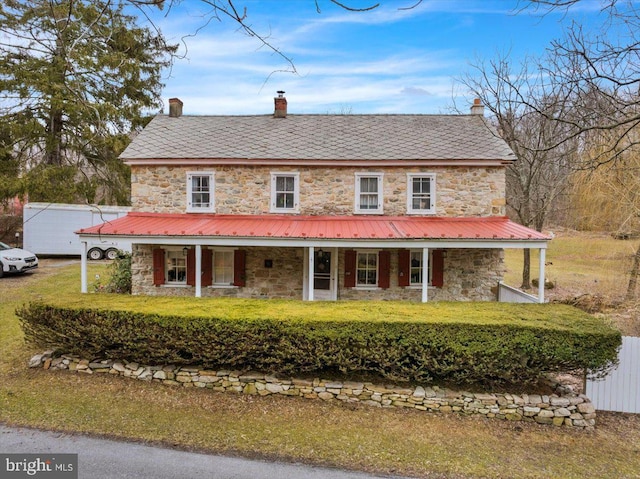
[318,207]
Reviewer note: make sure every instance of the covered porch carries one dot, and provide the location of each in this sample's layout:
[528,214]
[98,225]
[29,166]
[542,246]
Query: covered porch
[328,258]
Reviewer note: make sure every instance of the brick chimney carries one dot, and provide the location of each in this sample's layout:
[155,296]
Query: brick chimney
[280,105]
[175,107]
[477,108]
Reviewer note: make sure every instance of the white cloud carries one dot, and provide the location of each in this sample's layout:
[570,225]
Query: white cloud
[416,91]
[341,59]
[403,10]
[225,72]
[215,96]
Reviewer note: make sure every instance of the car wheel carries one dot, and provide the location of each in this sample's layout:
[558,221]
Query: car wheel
[1,270]
[94,254]
[111,253]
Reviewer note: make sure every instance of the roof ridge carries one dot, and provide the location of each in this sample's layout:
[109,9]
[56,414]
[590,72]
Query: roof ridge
[328,115]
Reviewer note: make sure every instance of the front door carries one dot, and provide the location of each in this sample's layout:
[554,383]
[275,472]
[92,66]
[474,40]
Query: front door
[322,275]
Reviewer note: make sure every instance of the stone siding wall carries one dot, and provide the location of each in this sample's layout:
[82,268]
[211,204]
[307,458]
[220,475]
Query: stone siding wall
[282,280]
[472,274]
[564,409]
[460,191]
[469,275]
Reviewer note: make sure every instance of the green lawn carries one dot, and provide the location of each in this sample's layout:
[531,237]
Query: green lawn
[579,263]
[384,441]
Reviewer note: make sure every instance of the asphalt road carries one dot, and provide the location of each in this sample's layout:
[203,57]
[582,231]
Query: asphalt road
[107,459]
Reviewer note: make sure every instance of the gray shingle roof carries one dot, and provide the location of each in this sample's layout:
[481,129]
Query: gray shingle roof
[320,137]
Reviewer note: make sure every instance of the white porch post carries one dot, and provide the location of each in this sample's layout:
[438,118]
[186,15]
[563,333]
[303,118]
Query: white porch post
[311,252]
[541,276]
[425,274]
[198,271]
[83,268]
[334,274]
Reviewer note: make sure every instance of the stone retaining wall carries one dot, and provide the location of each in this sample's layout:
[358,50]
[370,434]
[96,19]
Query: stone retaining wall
[563,409]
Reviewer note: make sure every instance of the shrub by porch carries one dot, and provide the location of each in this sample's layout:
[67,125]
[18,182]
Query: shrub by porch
[482,343]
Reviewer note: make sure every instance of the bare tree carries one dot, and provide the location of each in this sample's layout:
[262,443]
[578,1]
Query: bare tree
[538,178]
[599,74]
[237,11]
[608,198]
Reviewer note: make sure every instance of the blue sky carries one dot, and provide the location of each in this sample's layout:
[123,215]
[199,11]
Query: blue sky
[388,60]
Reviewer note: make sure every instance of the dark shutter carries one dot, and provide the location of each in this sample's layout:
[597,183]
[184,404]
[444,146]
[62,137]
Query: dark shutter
[239,262]
[437,272]
[158,266]
[207,267]
[384,269]
[349,268]
[191,267]
[404,267]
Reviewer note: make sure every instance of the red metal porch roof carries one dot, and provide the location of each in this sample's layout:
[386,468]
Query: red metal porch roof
[316,227]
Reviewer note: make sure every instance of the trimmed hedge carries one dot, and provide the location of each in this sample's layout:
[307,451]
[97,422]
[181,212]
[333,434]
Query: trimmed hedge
[460,351]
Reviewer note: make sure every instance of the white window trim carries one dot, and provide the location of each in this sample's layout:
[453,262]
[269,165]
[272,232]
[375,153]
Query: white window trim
[183,284]
[296,192]
[357,209]
[429,269]
[370,287]
[213,269]
[211,207]
[432,208]
[180,284]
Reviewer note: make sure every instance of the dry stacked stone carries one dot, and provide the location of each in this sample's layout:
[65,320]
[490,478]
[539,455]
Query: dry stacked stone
[563,408]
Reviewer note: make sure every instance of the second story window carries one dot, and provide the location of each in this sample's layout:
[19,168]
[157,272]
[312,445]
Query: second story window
[200,192]
[421,193]
[285,192]
[368,193]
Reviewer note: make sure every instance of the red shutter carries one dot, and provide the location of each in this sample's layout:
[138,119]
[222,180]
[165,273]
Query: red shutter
[349,268]
[191,267]
[207,267]
[437,272]
[404,267]
[239,263]
[384,269]
[158,266]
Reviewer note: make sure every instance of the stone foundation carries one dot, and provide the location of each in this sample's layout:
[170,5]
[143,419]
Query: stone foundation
[563,409]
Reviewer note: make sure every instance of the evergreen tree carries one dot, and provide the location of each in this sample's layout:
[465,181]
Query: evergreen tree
[77,77]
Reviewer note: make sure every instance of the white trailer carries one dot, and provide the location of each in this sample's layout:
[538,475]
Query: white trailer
[49,229]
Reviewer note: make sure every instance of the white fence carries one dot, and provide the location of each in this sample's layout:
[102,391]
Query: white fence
[508,294]
[620,390]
